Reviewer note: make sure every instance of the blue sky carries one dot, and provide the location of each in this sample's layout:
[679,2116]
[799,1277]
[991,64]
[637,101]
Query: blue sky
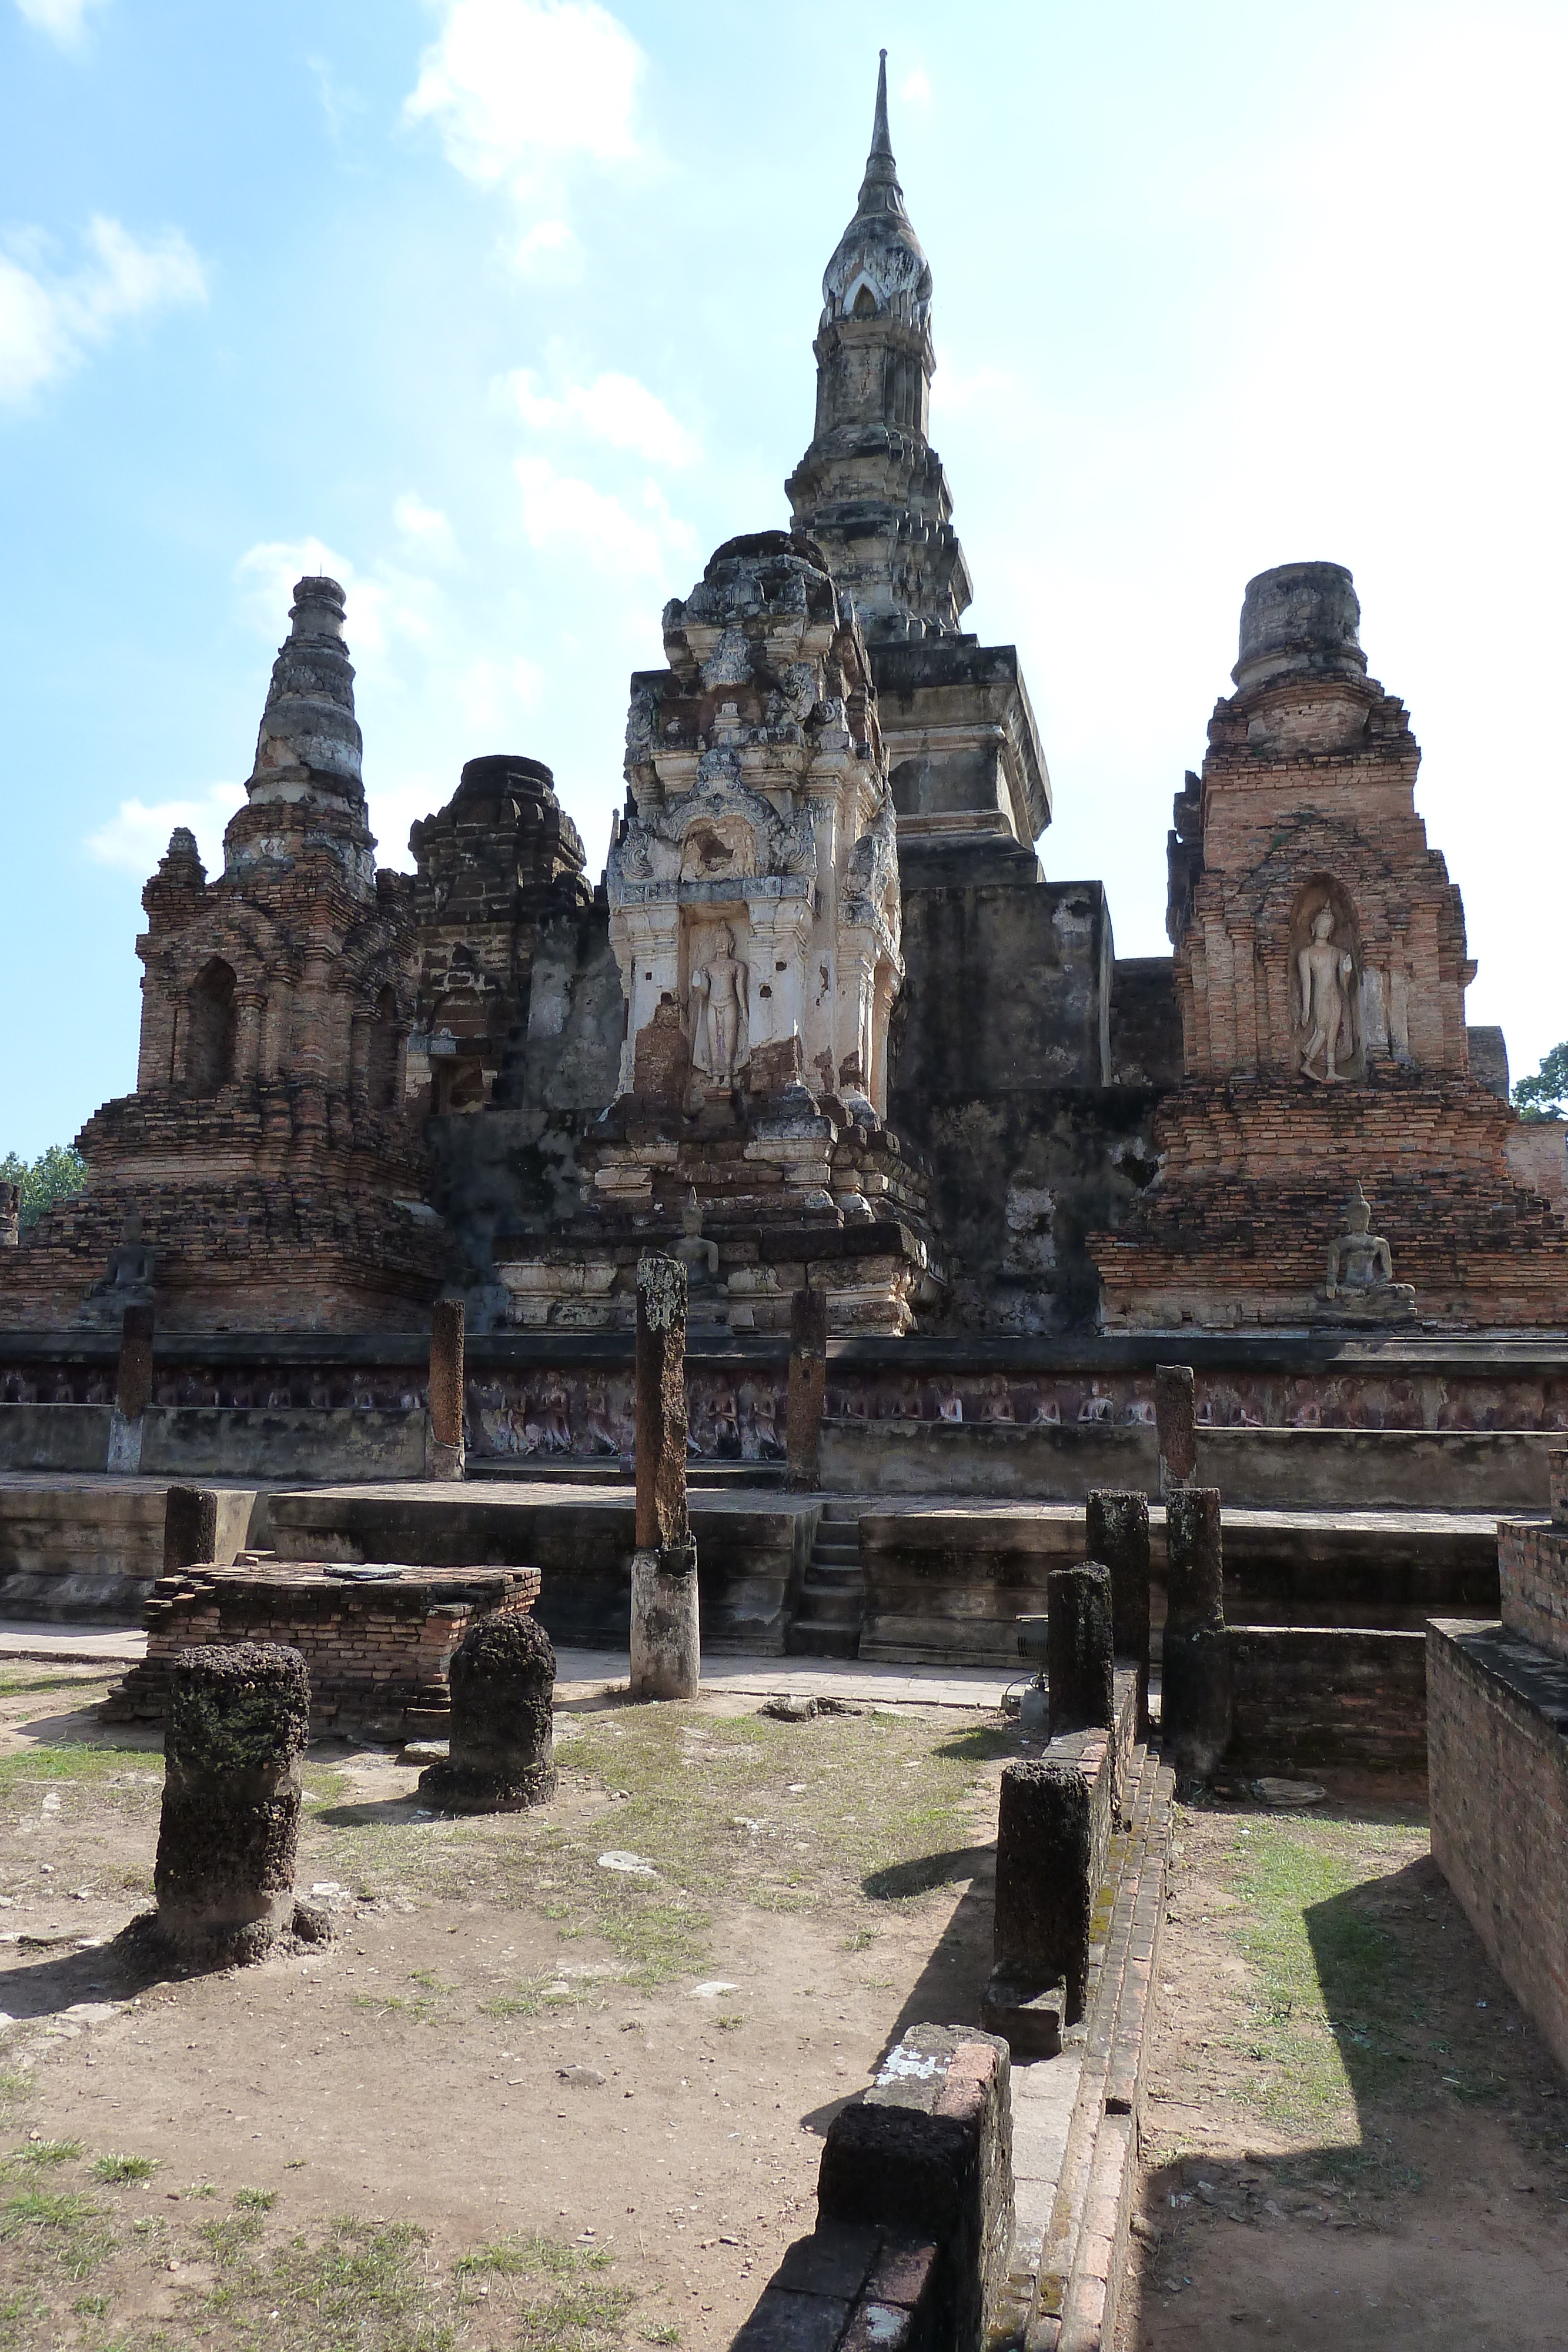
[503,312]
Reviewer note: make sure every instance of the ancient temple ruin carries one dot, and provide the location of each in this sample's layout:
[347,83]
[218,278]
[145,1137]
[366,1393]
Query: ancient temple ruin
[1321,969]
[823,1022]
[264,1157]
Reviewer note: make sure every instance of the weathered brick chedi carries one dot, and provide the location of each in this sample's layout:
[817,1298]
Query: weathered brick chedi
[1321,969]
[266,1148]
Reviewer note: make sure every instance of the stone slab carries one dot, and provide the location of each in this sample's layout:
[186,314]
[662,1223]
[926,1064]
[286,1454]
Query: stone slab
[1292,1469]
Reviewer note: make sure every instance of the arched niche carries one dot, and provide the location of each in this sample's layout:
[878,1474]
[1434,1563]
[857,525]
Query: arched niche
[1325,981]
[210,1024]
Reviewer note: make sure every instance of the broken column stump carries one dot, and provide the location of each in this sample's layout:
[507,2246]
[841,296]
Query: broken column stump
[1080,1665]
[807,1386]
[502,1753]
[666,1647]
[1176,1425]
[928,2152]
[240,1717]
[132,1389]
[1116,1530]
[1196,1678]
[190,1528]
[1048,1870]
[443,1455]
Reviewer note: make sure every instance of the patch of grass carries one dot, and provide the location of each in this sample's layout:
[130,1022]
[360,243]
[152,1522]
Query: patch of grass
[91,2306]
[42,2151]
[255,2200]
[1329,2020]
[16,2089]
[681,1779]
[60,2232]
[122,2171]
[663,2332]
[133,1775]
[13,1685]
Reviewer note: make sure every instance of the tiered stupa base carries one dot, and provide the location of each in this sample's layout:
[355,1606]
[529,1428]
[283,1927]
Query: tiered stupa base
[796,1191]
[1252,1187]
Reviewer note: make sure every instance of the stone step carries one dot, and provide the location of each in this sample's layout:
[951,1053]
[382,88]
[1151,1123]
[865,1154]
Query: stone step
[832,1609]
[832,1579]
[836,1555]
[811,1638]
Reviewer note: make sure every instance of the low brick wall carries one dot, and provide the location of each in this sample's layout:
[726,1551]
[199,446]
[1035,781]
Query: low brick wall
[1059,1817]
[1498,1740]
[376,1651]
[914,2201]
[1532,1589]
[1311,1696]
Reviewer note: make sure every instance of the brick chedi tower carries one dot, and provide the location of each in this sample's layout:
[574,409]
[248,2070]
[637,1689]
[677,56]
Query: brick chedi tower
[265,1150]
[1320,970]
[964,755]
[499,860]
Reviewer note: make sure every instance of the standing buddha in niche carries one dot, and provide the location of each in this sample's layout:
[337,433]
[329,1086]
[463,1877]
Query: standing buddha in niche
[1323,972]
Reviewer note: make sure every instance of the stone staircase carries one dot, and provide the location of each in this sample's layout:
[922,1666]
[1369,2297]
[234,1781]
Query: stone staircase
[833,1597]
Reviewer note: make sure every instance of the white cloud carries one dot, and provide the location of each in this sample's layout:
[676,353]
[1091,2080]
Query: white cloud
[614,409]
[136,836]
[63,20]
[491,694]
[547,252]
[47,325]
[427,526]
[384,607]
[515,87]
[915,88]
[559,511]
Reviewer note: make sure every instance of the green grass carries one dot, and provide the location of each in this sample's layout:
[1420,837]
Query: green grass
[137,1771]
[41,2151]
[1332,2020]
[121,2171]
[886,1814]
[56,2234]
[14,1685]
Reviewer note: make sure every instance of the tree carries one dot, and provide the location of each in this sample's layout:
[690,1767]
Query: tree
[1545,1095]
[56,1175]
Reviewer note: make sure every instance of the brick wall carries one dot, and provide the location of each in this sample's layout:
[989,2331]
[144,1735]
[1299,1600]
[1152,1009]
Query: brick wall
[1498,1741]
[1532,1575]
[376,1653]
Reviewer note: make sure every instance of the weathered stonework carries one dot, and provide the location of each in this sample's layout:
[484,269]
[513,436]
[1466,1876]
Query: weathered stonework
[1321,969]
[498,862]
[264,1149]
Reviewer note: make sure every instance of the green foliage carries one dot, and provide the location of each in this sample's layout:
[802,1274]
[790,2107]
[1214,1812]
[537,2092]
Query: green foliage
[1545,1095]
[56,1175]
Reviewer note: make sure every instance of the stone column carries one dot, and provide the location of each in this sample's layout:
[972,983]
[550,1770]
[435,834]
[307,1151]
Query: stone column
[443,1456]
[240,1717]
[808,1382]
[666,1652]
[1079,1668]
[1195,1683]
[190,1528]
[133,1389]
[1116,1530]
[1176,1421]
[502,1754]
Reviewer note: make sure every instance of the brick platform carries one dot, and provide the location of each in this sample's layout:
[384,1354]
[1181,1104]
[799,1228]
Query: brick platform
[1497,1731]
[376,1647]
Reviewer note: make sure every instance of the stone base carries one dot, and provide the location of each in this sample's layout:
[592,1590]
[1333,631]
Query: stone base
[449,1787]
[1031,2019]
[666,1643]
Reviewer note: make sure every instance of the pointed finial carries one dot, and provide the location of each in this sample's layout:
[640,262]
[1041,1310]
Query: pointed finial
[880,140]
[880,190]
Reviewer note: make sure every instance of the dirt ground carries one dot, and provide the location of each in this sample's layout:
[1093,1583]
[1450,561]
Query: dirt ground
[1355,2138]
[521,2098]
